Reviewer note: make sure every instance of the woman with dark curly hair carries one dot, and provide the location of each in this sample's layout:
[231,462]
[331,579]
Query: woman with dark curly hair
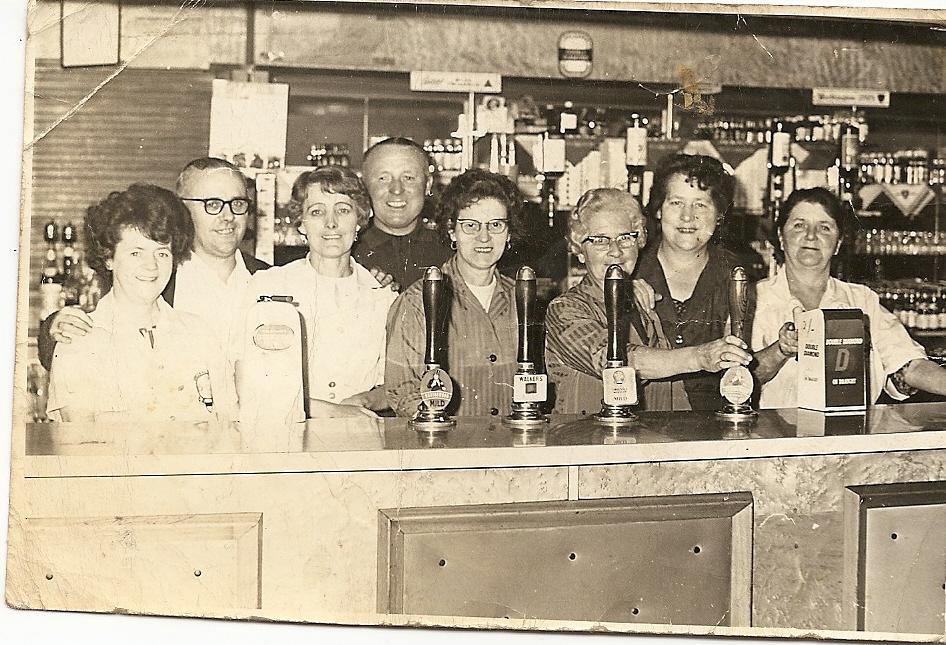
[344,307]
[689,200]
[480,213]
[141,359]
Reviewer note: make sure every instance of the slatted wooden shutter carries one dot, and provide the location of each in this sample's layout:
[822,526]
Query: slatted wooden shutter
[142,126]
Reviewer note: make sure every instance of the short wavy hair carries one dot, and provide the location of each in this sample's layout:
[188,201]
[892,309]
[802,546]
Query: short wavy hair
[844,217]
[402,142]
[708,173]
[597,200]
[155,212]
[331,179]
[475,185]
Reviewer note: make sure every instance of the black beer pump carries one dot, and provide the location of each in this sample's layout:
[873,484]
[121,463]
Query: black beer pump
[436,386]
[530,389]
[736,385]
[619,380]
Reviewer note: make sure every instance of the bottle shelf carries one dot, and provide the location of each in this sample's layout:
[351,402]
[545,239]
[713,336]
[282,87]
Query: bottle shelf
[927,333]
[900,255]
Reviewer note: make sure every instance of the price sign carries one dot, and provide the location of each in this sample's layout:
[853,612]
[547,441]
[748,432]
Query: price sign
[479,82]
[848,97]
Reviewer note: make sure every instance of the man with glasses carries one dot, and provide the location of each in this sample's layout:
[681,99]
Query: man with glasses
[607,227]
[210,283]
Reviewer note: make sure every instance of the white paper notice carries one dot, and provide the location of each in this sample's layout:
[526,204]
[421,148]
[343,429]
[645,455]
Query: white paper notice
[248,119]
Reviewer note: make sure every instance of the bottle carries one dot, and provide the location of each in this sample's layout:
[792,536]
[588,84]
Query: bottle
[922,310]
[635,156]
[911,311]
[934,310]
[70,272]
[941,311]
[847,164]
[780,156]
[50,284]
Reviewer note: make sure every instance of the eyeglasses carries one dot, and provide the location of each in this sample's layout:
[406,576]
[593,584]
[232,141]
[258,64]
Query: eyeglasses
[474,226]
[214,205]
[624,240]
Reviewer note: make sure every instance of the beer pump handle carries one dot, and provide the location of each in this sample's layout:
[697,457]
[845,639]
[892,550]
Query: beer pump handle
[615,302]
[525,308]
[738,302]
[433,294]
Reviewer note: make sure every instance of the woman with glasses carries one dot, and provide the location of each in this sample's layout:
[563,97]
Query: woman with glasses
[343,306]
[689,271]
[140,359]
[606,228]
[480,213]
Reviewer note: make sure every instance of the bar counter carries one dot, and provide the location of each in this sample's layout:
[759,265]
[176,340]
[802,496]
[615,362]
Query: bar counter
[339,445]
[772,524]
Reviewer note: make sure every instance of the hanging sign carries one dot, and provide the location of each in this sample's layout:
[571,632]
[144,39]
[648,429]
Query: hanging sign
[479,82]
[909,198]
[848,97]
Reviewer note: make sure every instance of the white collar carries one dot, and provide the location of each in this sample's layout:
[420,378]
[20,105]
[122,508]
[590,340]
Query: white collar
[105,313]
[198,264]
[359,273]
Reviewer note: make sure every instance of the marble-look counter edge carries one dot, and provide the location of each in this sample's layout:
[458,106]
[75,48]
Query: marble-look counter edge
[53,466]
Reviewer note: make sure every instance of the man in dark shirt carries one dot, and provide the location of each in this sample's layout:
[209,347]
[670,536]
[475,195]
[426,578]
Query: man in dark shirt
[397,174]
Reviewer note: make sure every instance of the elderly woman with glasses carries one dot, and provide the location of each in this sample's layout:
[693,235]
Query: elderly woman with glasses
[607,227]
[343,306]
[480,212]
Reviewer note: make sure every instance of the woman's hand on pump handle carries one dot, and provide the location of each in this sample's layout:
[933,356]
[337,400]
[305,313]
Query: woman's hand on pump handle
[722,354]
[788,340]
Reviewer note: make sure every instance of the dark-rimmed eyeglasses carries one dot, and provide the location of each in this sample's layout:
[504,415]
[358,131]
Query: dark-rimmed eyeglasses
[624,241]
[474,226]
[214,205]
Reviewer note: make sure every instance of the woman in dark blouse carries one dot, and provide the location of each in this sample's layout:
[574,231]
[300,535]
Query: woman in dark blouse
[690,197]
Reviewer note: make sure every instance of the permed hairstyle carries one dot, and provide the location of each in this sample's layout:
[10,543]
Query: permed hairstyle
[154,212]
[708,173]
[201,164]
[474,185]
[331,179]
[597,200]
[843,217]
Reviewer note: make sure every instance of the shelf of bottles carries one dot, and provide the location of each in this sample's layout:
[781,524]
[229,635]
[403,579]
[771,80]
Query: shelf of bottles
[597,141]
[66,279]
[907,167]
[329,154]
[827,128]
[890,242]
[919,305]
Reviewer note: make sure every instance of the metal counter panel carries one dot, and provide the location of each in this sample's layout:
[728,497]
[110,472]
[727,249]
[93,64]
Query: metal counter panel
[674,560]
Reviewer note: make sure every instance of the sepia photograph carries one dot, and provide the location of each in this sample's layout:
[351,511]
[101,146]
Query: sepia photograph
[531,315]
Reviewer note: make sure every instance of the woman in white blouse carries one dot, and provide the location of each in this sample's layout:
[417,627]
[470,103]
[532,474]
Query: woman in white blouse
[343,306]
[141,360]
[811,230]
